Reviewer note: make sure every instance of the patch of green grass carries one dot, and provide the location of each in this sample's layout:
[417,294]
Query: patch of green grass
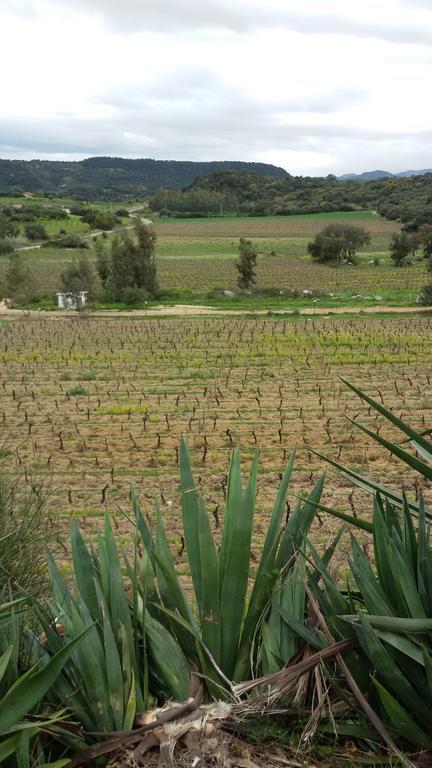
[77,391]
[356,215]
[121,410]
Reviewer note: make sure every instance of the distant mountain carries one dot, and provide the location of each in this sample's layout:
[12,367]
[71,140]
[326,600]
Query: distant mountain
[374,175]
[114,178]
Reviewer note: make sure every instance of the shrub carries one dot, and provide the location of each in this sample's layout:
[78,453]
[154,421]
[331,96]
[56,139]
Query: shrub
[68,241]
[6,247]
[36,232]
[132,296]
[26,531]
[425,296]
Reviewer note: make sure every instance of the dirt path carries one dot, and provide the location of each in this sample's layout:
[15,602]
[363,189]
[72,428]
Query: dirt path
[186,310]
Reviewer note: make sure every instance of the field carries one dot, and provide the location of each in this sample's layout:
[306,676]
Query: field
[95,406]
[196,262]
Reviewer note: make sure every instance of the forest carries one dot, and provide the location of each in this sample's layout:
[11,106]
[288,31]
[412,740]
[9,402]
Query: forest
[405,199]
[112,178]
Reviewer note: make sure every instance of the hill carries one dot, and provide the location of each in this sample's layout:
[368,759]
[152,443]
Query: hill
[113,178]
[374,175]
[408,199]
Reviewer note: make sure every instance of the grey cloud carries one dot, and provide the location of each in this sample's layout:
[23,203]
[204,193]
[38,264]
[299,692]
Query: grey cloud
[166,16]
[201,89]
[230,133]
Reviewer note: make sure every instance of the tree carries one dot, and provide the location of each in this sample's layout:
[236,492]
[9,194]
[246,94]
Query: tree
[122,265]
[338,241]
[246,263]
[36,232]
[8,228]
[353,238]
[325,247]
[145,263]
[133,264]
[19,279]
[103,263]
[400,248]
[79,277]
[425,238]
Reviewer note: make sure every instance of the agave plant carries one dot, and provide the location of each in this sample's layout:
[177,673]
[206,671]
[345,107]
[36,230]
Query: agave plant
[229,630]
[23,688]
[127,659]
[391,614]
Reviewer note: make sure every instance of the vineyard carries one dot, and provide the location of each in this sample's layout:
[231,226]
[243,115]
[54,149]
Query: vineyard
[272,226]
[95,406]
[196,259]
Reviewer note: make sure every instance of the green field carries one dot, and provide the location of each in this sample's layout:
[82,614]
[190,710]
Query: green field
[196,263]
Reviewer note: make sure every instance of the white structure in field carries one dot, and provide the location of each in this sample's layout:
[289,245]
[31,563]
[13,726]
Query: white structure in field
[72,300]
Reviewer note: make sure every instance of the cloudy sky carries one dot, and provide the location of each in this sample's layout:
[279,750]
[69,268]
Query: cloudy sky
[314,86]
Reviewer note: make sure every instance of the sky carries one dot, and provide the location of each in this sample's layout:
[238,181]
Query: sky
[314,86]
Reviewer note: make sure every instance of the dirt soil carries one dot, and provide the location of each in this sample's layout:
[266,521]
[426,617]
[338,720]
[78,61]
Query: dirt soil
[186,310]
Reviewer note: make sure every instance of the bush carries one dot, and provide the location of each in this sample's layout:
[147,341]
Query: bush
[36,232]
[425,297]
[133,296]
[69,241]
[6,247]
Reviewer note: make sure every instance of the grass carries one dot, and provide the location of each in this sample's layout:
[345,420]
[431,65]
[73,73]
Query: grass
[78,390]
[330,216]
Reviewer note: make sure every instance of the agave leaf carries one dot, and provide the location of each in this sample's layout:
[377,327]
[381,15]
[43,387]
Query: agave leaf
[427,661]
[315,576]
[85,572]
[394,623]
[113,667]
[271,661]
[4,661]
[371,590]
[265,578]
[419,466]
[131,706]
[168,662]
[299,627]
[370,486]
[233,505]
[10,746]
[298,525]
[91,663]
[365,525]
[409,536]
[191,512]
[424,561]
[338,602]
[34,684]
[384,552]
[273,531]
[419,443]
[235,562]
[210,612]
[390,672]
[401,721]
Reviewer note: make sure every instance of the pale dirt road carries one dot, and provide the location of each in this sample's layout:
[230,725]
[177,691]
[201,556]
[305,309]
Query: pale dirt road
[186,310]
